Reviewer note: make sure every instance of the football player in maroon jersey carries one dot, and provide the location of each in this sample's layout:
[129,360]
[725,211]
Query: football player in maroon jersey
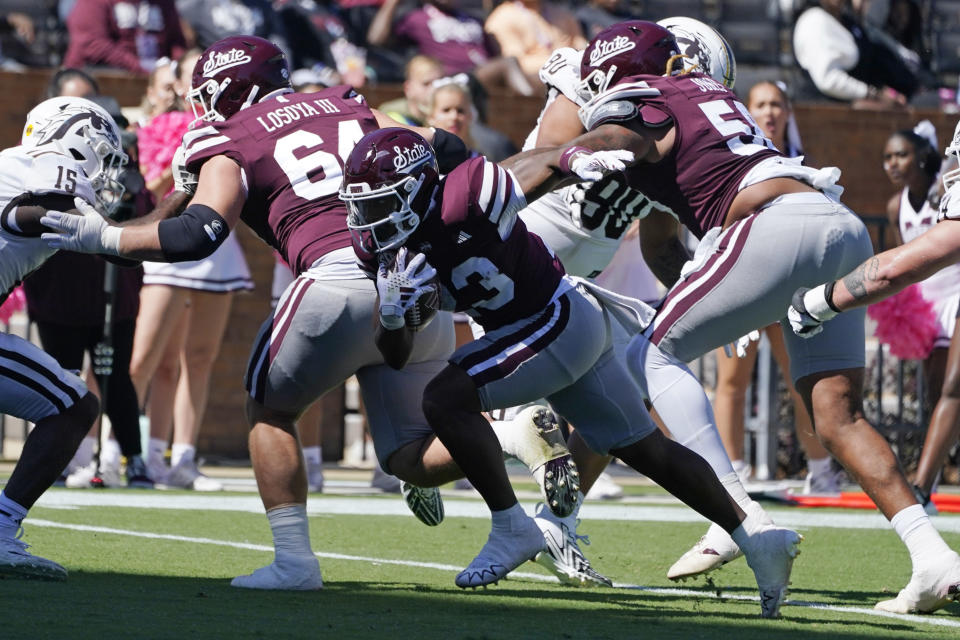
[547,335]
[767,226]
[274,159]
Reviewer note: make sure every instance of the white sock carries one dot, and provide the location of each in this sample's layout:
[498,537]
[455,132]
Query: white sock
[182,452]
[84,453]
[291,531]
[731,482]
[156,450]
[680,401]
[110,454]
[313,455]
[11,515]
[915,529]
[818,466]
[512,519]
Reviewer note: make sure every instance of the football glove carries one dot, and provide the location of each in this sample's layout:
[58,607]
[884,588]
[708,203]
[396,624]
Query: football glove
[86,233]
[592,165]
[741,345]
[400,286]
[183,180]
[809,309]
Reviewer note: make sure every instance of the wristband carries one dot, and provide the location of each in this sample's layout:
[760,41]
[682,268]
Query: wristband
[110,239]
[816,303]
[567,155]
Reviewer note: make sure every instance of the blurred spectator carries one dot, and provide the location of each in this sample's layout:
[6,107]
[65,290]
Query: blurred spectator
[184,308]
[206,21]
[356,16]
[161,95]
[530,30]
[314,28]
[421,72]
[451,107]
[31,33]
[597,15]
[845,63]
[66,299]
[455,38]
[123,35]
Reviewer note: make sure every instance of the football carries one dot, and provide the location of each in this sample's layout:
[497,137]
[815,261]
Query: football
[422,312]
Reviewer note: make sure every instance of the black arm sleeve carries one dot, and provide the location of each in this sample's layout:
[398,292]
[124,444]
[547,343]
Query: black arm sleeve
[193,235]
[450,149]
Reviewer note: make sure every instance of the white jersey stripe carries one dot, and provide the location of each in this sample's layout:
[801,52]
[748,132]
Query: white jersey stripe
[526,343]
[487,187]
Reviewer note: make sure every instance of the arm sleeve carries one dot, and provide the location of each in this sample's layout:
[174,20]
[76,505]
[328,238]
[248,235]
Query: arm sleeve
[827,51]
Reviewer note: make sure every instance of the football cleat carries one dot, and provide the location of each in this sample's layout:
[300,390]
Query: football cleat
[605,488]
[563,557]
[928,590]
[17,562]
[284,574]
[315,477]
[829,482]
[770,555]
[545,454]
[503,552]
[426,504]
[715,549]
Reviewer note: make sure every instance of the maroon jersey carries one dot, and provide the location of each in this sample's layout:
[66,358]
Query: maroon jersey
[490,266]
[291,151]
[717,143]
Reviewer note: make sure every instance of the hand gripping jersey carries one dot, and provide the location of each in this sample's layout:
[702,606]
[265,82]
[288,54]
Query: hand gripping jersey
[717,143]
[583,223]
[489,265]
[291,150]
[25,172]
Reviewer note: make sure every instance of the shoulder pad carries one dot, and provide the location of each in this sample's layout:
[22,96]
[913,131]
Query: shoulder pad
[561,71]
[615,105]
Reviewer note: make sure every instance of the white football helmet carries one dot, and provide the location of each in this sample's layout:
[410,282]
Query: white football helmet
[703,47]
[84,131]
[950,178]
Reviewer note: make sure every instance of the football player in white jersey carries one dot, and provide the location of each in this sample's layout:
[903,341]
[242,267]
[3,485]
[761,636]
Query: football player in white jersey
[583,224]
[70,148]
[877,278]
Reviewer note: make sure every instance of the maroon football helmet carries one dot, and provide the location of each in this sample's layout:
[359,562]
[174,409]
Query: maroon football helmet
[234,73]
[630,48]
[388,183]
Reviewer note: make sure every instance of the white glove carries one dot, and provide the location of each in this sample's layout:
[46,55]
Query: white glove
[741,344]
[86,233]
[401,286]
[809,309]
[183,180]
[592,166]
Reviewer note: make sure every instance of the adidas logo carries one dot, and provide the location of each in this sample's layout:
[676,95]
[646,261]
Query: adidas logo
[463,237]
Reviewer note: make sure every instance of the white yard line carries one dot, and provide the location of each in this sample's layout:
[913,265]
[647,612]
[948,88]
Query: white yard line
[464,508]
[930,620]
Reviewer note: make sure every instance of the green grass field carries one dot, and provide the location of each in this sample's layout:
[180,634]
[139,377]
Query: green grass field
[150,571]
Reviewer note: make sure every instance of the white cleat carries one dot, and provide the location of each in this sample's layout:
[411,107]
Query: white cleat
[563,557]
[426,504]
[715,549]
[928,590]
[503,552]
[604,488]
[771,555]
[17,562]
[287,574]
[545,453]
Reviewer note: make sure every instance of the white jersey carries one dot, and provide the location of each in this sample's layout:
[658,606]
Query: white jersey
[914,223]
[582,224]
[38,170]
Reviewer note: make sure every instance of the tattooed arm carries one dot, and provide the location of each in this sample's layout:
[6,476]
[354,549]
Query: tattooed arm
[892,271]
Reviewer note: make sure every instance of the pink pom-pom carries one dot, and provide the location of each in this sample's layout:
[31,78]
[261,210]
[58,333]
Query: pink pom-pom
[158,141]
[16,301]
[907,322]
